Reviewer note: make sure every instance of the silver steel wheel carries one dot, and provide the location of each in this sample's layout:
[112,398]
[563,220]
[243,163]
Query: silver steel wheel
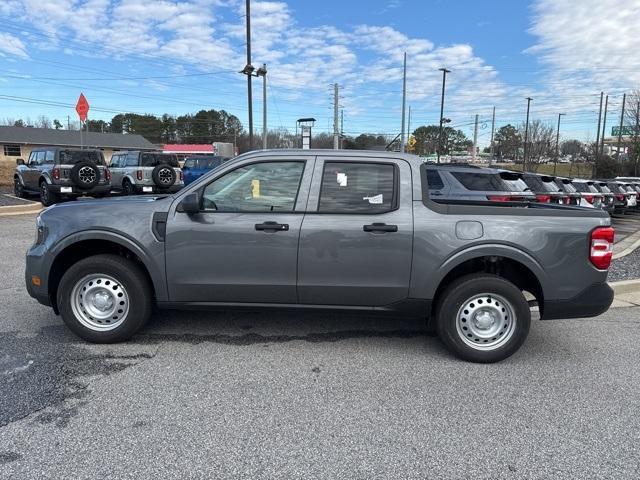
[87,175]
[164,175]
[486,321]
[99,302]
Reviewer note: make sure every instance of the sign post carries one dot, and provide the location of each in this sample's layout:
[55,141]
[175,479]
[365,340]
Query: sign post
[82,108]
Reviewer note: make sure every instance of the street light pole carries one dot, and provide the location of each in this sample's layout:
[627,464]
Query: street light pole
[526,136]
[624,100]
[444,80]
[555,164]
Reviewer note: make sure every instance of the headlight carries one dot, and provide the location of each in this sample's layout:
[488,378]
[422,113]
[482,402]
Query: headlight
[41,231]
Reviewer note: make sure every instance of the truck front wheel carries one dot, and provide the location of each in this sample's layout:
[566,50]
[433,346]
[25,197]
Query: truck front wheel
[483,318]
[104,298]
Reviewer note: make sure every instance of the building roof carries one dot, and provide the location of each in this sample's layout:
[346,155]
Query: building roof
[71,138]
[188,148]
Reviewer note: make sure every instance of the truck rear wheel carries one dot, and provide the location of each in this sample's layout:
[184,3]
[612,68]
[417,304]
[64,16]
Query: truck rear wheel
[483,318]
[104,298]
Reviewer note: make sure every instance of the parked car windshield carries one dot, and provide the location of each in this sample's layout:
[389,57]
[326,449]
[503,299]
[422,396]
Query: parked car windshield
[70,157]
[603,188]
[203,162]
[155,159]
[549,185]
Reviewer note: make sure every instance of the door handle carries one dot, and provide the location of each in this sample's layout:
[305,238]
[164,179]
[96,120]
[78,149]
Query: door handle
[380,227]
[272,227]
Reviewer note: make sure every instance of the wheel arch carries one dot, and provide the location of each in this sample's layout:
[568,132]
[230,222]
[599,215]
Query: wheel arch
[87,244]
[504,261]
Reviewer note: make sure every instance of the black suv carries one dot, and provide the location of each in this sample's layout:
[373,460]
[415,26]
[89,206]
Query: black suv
[57,173]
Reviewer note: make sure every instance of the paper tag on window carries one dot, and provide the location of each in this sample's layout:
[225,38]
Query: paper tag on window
[341,179]
[255,188]
[375,200]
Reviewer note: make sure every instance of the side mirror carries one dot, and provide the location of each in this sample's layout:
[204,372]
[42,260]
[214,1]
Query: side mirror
[190,204]
[19,161]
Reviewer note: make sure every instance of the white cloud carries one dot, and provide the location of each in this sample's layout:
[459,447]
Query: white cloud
[12,46]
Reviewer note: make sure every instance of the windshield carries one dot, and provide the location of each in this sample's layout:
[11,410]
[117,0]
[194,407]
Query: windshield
[549,185]
[70,157]
[155,159]
[603,188]
[568,186]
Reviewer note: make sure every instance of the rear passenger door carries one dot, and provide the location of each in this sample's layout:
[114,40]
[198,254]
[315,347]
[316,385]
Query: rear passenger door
[115,167]
[356,238]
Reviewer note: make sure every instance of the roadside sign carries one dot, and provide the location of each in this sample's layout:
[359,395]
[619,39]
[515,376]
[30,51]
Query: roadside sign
[82,107]
[627,131]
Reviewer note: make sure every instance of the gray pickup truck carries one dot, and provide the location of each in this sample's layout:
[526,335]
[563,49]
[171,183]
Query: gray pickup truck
[322,229]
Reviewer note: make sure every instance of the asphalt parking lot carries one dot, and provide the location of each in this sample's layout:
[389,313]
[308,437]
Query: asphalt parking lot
[298,395]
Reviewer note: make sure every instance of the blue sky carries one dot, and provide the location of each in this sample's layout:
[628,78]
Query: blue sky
[177,57]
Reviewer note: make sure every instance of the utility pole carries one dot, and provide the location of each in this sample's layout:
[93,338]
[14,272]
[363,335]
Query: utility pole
[555,164]
[404,101]
[248,71]
[341,128]
[444,80]
[68,122]
[604,124]
[409,127]
[636,134]
[262,72]
[475,139]
[526,136]
[336,132]
[624,99]
[493,127]
[599,122]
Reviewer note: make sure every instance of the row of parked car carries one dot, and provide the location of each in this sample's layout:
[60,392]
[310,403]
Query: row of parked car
[464,183]
[57,174]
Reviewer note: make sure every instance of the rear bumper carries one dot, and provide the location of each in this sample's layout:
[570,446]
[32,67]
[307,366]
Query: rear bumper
[75,191]
[591,302]
[155,189]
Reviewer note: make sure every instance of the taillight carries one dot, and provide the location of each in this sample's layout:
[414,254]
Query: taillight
[139,174]
[56,173]
[589,198]
[181,177]
[543,198]
[620,197]
[601,249]
[107,174]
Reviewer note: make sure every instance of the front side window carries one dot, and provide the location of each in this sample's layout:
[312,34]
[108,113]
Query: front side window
[40,158]
[259,187]
[357,188]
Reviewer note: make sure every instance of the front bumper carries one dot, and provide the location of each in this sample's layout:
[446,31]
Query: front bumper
[36,265]
[591,302]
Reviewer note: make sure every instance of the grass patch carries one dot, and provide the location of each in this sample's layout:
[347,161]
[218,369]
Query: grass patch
[6,172]
[577,170]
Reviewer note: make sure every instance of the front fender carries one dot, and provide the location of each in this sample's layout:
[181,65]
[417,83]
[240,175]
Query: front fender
[151,264]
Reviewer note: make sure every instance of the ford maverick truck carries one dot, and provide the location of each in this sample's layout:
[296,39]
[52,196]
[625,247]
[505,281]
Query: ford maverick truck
[324,229]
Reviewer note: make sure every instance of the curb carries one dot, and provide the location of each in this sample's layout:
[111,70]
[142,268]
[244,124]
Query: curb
[625,286]
[10,210]
[631,248]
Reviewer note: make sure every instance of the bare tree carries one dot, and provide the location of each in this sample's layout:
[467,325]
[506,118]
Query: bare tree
[632,128]
[540,143]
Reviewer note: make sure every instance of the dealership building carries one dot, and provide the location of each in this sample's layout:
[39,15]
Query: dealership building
[17,142]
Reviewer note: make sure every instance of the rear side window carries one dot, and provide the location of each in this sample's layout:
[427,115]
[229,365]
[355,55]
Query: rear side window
[49,155]
[481,181]
[155,159]
[434,180]
[358,188]
[71,157]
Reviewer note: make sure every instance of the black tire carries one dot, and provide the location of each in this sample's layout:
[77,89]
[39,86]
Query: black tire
[18,188]
[500,301]
[164,176]
[130,279]
[85,175]
[127,188]
[47,197]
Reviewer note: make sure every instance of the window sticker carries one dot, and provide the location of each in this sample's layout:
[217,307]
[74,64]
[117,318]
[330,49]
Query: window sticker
[375,200]
[341,179]
[255,188]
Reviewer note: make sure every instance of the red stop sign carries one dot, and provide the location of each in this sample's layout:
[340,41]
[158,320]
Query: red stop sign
[82,107]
